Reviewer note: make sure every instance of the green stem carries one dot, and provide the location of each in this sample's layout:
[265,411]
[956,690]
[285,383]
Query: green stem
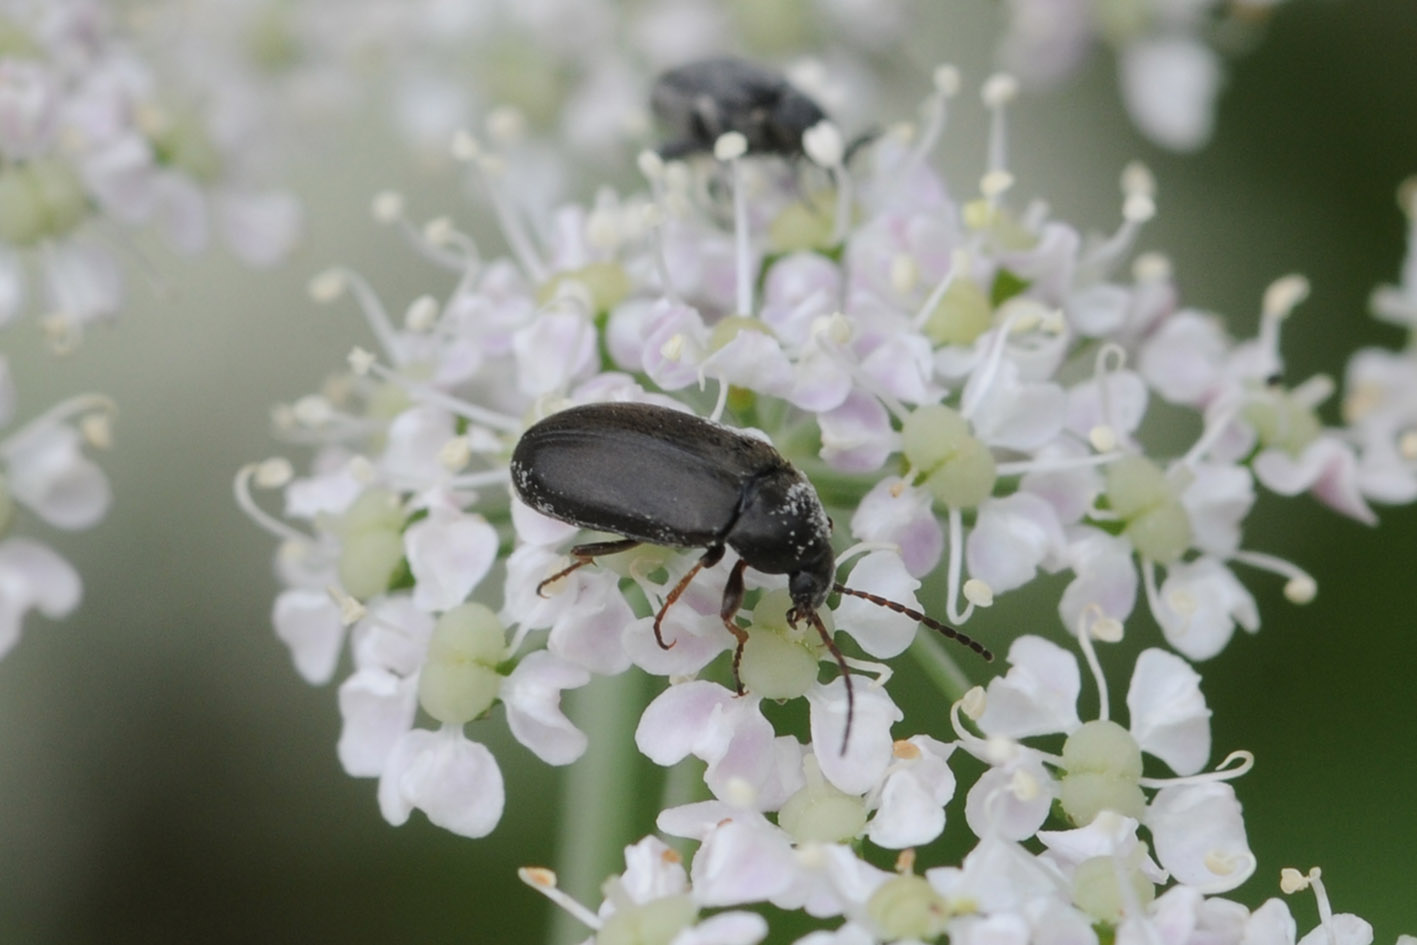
[929,651]
[597,800]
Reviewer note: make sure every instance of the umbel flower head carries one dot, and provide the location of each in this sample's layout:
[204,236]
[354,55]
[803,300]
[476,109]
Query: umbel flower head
[91,139]
[965,380]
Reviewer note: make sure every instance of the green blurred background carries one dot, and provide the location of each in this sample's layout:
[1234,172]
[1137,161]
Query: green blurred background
[166,777]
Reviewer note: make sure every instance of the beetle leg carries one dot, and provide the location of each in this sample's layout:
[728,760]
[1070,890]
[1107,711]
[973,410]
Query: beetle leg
[585,554]
[711,557]
[732,601]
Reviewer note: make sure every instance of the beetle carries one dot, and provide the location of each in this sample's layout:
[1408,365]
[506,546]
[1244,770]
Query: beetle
[659,476]
[698,102]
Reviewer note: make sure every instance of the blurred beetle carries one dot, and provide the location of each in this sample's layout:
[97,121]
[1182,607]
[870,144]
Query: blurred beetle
[701,101]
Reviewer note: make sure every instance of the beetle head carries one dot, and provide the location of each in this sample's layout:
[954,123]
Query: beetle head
[793,114]
[810,585]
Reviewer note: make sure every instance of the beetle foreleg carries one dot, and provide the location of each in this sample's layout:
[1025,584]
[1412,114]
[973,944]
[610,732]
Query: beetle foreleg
[585,554]
[727,610]
[711,557]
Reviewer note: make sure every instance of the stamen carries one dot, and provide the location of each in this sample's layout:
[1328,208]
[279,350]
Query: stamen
[1242,762]
[544,881]
[1301,588]
[1292,881]
[880,671]
[261,473]
[351,609]
[959,260]
[421,315]
[946,86]
[999,90]
[1020,314]
[956,531]
[1138,207]
[978,593]
[489,168]
[730,148]
[865,547]
[438,398]
[62,411]
[1089,653]
[1057,464]
[330,284]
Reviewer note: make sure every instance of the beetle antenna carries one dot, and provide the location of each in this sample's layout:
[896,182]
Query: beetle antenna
[845,676]
[945,629]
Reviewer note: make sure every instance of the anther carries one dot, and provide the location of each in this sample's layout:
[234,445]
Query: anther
[327,286]
[730,146]
[387,206]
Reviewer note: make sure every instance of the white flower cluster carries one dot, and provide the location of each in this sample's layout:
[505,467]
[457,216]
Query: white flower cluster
[1168,64]
[92,140]
[44,472]
[969,383]
[556,75]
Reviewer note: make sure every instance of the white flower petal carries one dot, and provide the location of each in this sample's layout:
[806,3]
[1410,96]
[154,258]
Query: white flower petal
[33,577]
[456,782]
[1169,86]
[1169,717]
[261,228]
[868,751]
[449,554]
[49,473]
[377,709]
[1199,836]
[1037,696]
[308,622]
[532,694]
[880,631]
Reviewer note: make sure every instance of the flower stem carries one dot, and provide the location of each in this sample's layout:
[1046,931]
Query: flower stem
[598,794]
[929,651]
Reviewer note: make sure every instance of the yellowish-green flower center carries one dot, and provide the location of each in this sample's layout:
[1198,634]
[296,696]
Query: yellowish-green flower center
[1156,522]
[607,283]
[807,224]
[820,813]
[906,907]
[39,200]
[779,662]
[958,469]
[651,923]
[180,140]
[1282,423]
[372,548]
[1109,890]
[1102,765]
[459,680]
[962,315]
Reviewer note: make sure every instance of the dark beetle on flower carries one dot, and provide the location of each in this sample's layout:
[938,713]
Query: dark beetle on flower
[664,477]
[701,101]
